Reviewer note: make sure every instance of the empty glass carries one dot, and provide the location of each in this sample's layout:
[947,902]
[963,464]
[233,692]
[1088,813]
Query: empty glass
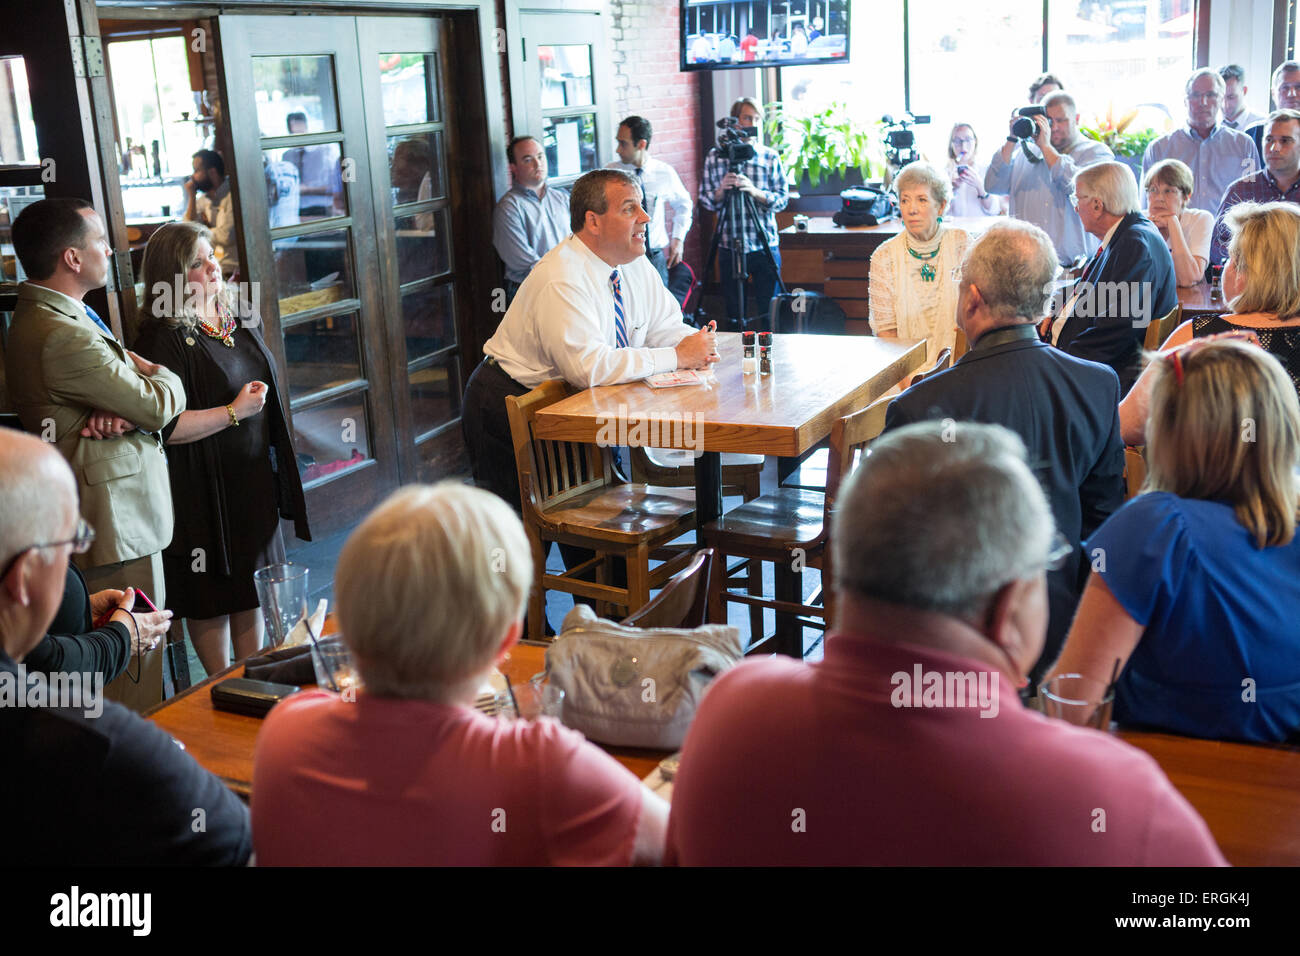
[282,592]
[1078,699]
[334,667]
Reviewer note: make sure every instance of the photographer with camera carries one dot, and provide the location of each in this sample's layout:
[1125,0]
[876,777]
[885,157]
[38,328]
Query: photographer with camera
[741,168]
[1036,168]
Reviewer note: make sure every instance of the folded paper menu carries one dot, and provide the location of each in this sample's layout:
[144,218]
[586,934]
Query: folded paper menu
[674,379]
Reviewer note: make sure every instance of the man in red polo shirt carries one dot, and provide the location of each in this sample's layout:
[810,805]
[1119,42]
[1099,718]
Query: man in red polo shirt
[908,744]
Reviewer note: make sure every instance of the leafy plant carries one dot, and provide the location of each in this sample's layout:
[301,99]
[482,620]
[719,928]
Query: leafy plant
[824,143]
[1116,136]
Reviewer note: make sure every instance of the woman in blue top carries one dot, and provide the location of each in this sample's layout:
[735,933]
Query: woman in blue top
[1196,581]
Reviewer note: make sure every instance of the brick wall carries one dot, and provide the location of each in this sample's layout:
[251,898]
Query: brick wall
[646,36]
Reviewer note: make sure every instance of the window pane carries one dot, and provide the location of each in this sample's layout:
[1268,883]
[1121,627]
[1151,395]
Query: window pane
[429,317]
[321,354]
[17,129]
[312,270]
[408,84]
[304,183]
[956,46]
[415,167]
[422,245]
[13,200]
[565,75]
[332,437]
[294,90]
[435,395]
[570,144]
[1125,55]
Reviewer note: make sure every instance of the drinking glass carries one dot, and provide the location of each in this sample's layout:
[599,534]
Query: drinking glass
[282,592]
[334,667]
[1080,700]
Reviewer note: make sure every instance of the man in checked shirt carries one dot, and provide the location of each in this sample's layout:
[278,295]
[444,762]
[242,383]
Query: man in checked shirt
[762,178]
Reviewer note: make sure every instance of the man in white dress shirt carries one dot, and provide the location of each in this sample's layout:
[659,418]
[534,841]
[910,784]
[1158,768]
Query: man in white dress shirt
[661,186]
[592,312]
[1236,114]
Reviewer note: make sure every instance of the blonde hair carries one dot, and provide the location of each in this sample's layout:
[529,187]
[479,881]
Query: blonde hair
[1262,247]
[1171,172]
[923,174]
[168,296]
[427,587]
[1229,431]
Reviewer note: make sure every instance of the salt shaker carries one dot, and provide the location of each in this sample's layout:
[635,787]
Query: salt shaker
[748,363]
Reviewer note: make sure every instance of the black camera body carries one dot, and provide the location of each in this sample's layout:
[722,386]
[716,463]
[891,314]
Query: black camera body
[900,141]
[1024,127]
[733,143]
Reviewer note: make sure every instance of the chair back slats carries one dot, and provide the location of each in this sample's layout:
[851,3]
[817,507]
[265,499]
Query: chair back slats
[551,472]
[1162,328]
[849,437]
[959,347]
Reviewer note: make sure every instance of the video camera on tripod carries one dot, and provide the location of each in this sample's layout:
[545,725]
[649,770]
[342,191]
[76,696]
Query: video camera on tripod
[733,143]
[900,141]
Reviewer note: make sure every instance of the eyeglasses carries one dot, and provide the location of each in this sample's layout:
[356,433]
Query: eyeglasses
[1060,551]
[81,541]
[1076,199]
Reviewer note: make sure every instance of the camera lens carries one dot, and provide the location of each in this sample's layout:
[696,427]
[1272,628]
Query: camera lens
[1024,128]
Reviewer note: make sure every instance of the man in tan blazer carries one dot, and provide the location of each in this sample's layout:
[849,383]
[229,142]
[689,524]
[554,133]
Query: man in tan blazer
[73,384]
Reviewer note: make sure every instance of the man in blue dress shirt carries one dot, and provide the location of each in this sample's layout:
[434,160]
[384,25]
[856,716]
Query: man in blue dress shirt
[530,219]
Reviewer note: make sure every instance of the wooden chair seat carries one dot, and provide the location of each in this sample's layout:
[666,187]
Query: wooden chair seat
[627,514]
[786,518]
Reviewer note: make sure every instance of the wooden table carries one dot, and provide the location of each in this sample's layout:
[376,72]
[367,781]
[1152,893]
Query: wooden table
[1249,795]
[816,379]
[1201,299]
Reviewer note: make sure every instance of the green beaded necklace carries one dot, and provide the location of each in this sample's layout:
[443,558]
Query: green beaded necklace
[927,271]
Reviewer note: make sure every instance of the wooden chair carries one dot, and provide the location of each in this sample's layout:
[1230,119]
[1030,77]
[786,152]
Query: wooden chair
[1135,469]
[684,601]
[960,347]
[942,362]
[569,493]
[1161,328]
[770,528]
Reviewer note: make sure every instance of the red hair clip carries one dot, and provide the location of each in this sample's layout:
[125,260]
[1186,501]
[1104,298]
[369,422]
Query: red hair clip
[1177,359]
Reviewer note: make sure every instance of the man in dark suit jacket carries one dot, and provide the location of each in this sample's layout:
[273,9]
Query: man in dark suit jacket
[1127,285]
[1065,409]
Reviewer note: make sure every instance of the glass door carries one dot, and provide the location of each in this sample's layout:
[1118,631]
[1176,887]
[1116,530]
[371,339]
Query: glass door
[404,73]
[305,201]
[566,84]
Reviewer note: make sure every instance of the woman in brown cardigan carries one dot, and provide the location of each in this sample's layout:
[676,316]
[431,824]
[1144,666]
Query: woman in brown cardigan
[233,469]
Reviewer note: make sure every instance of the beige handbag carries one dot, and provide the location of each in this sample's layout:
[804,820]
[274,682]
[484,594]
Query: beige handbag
[636,687]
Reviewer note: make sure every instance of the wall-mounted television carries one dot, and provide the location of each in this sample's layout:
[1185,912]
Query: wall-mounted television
[744,34]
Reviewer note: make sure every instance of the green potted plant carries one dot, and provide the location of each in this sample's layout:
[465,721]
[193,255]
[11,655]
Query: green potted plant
[1127,144]
[826,151]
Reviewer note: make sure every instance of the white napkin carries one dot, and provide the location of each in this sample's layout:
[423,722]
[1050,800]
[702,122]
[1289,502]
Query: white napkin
[299,633]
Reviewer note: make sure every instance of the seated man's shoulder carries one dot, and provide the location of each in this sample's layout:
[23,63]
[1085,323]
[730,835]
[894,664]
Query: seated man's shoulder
[1083,372]
[756,683]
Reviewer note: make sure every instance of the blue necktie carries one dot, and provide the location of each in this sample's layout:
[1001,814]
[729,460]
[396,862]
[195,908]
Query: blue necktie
[620,322]
[94,317]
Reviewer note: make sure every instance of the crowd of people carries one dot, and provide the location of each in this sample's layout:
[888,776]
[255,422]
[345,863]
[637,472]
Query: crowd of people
[987,533]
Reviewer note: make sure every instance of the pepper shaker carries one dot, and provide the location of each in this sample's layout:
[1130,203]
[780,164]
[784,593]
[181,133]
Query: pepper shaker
[764,353]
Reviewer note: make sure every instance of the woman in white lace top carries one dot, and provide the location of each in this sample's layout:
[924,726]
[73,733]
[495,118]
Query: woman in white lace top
[913,289]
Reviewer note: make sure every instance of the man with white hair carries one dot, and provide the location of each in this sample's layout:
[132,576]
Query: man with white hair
[1128,284]
[1215,154]
[907,744]
[1063,408]
[86,781]
[1037,177]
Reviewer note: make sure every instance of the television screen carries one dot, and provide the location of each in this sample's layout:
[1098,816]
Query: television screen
[743,34]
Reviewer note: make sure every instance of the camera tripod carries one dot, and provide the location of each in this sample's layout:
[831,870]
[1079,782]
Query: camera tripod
[738,210]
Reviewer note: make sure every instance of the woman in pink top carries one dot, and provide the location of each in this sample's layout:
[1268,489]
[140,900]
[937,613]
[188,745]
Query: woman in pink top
[430,592]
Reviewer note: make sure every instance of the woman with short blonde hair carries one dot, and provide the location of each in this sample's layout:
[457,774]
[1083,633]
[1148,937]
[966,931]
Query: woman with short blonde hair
[431,590]
[913,276]
[1187,231]
[1196,580]
[1261,283]
[234,470]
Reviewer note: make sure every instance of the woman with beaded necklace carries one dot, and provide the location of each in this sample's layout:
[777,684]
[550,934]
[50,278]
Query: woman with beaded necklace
[913,291]
[233,469]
